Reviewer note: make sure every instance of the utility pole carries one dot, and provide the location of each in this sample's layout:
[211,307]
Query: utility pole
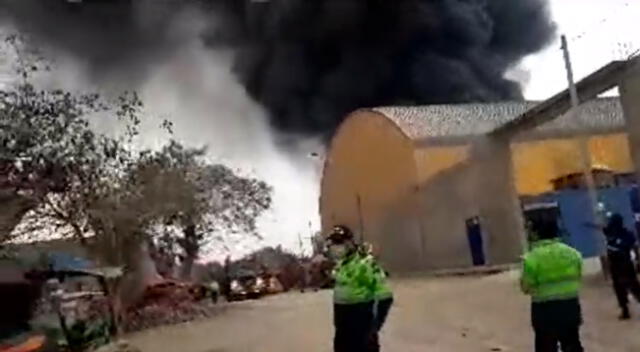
[583,140]
[585,154]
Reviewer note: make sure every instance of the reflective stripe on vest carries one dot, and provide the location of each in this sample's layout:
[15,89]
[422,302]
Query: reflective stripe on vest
[556,290]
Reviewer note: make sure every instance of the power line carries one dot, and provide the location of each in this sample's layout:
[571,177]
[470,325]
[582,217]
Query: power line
[634,54]
[598,23]
[616,43]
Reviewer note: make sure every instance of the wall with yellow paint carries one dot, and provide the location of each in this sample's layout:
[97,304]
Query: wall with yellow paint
[537,163]
[371,159]
[433,160]
[446,201]
[412,202]
[447,186]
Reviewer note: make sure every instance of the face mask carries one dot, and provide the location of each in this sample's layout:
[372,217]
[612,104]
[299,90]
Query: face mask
[338,251]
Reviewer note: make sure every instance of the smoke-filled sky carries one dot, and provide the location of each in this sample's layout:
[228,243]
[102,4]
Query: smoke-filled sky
[240,77]
[308,62]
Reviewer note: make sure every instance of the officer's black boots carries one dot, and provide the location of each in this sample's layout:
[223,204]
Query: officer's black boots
[625,315]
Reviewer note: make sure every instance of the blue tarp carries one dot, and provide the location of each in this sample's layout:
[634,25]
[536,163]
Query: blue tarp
[60,261]
[576,215]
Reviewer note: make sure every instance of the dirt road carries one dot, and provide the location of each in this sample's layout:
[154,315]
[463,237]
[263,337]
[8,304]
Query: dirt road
[441,315]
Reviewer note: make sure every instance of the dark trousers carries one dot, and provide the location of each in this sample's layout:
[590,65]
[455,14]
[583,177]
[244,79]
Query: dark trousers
[557,324]
[353,327]
[568,340]
[381,312]
[625,282]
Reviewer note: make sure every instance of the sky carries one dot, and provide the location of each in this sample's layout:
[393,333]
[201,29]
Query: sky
[598,31]
[213,110]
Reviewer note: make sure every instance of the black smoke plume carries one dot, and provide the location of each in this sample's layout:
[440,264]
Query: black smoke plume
[118,39]
[310,62]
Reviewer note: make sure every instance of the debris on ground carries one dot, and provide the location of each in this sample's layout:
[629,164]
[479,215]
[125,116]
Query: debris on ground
[155,315]
[119,346]
[169,303]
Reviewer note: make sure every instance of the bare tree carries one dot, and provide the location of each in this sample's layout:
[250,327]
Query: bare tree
[205,199]
[96,190]
[48,152]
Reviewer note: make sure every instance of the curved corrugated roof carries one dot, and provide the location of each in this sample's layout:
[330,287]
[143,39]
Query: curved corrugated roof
[434,121]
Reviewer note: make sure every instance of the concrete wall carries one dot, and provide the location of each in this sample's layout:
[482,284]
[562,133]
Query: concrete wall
[370,159]
[497,199]
[630,97]
[462,182]
[446,196]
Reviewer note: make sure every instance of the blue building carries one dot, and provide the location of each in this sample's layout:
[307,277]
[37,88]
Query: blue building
[576,219]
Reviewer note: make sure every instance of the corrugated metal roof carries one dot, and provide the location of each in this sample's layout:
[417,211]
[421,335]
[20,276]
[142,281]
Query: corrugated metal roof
[434,121]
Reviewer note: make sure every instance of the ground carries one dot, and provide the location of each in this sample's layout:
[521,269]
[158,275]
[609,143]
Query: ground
[434,314]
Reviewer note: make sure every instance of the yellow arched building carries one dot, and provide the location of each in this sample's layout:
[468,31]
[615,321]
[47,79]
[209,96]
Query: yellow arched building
[402,176]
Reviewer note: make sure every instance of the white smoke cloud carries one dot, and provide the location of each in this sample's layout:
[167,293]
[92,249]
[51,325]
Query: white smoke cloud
[208,107]
[195,89]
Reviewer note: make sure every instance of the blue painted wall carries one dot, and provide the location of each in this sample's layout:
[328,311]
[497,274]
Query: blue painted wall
[575,214]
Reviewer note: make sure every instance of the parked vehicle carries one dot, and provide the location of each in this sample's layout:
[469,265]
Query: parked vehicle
[247,286]
[28,343]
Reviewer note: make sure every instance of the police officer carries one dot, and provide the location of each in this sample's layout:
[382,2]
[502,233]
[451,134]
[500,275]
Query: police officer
[620,243]
[552,275]
[356,281]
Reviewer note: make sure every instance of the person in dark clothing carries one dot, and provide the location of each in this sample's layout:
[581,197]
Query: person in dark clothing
[620,243]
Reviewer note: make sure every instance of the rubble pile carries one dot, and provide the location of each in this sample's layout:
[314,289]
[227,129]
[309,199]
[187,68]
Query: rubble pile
[168,304]
[120,346]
